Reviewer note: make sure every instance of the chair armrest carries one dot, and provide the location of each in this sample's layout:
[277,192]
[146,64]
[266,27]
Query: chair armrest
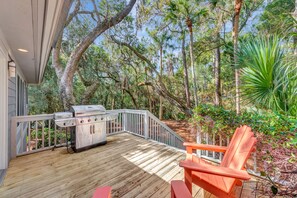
[192,146]
[215,170]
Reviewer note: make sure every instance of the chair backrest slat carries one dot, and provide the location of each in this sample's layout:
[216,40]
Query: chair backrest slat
[240,148]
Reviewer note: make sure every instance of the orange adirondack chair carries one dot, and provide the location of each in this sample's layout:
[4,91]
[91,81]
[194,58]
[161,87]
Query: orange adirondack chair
[102,192]
[220,180]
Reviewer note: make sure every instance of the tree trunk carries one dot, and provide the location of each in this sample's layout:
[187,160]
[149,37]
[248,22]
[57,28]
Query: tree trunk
[161,73]
[151,105]
[170,69]
[238,4]
[186,75]
[122,98]
[217,73]
[189,24]
[217,62]
[66,75]
[106,99]
[112,103]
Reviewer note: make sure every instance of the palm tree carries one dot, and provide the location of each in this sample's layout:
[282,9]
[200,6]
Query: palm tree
[160,40]
[189,12]
[269,77]
[237,8]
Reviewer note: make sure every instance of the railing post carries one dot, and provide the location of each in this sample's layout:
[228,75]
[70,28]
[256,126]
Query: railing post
[198,140]
[124,121]
[13,138]
[255,161]
[146,125]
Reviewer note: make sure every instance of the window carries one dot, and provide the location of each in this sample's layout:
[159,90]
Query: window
[21,97]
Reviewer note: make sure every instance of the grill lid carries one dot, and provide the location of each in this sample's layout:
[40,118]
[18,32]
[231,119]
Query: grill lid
[83,114]
[87,110]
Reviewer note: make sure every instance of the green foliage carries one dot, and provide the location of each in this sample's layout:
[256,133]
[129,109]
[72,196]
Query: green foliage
[45,98]
[49,136]
[224,121]
[277,18]
[181,10]
[268,75]
[120,74]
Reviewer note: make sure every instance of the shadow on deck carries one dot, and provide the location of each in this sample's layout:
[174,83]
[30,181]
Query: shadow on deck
[133,166]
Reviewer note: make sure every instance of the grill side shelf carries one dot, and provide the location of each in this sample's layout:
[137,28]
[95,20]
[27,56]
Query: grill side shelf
[68,122]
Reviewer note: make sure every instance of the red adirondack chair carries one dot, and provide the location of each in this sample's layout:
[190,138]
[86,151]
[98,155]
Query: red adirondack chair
[220,180]
[102,192]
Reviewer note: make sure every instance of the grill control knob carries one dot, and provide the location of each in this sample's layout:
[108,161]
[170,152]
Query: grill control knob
[82,121]
[95,119]
[89,120]
[102,118]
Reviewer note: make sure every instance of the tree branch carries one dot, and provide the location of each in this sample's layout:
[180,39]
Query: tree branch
[87,12]
[76,54]
[89,92]
[96,10]
[83,80]
[73,13]
[132,97]
[139,55]
[180,104]
[159,87]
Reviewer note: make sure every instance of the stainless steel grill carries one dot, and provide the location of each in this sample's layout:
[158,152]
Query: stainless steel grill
[87,123]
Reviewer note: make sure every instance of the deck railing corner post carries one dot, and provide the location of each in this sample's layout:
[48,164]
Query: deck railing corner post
[124,121]
[13,137]
[146,123]
[198,140]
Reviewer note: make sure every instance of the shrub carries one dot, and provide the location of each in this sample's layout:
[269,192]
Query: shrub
[226,121]
[276,145]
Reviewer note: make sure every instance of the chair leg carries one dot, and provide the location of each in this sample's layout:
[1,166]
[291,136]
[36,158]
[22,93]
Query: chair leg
[188,179]
[172,192]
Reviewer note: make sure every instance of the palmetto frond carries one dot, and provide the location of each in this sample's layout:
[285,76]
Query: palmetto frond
[268,77]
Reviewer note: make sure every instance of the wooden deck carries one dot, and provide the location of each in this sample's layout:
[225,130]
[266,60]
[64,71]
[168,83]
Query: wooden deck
[133,166]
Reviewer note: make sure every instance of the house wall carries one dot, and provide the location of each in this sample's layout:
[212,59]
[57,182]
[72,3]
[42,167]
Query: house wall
[13,102]
[38,30]
[3,106]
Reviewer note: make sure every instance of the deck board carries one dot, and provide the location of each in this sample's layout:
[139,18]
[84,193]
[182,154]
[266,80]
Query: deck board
[133,166]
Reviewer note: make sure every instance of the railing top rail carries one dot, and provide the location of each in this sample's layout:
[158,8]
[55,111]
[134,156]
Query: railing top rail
[28,118]
[115,111]
[165,126]
[136,111]
[143,112]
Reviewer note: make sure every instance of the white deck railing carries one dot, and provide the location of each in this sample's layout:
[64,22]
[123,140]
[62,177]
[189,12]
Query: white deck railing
[215,139]
[35,133]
